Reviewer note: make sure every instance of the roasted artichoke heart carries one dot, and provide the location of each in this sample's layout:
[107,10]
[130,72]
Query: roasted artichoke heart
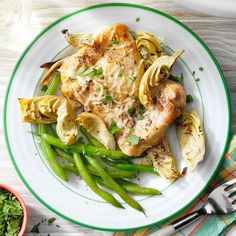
[157,72]
[49,109]
[148,47]
[67,126]
[191,138]
[97,128]
[41,109]
[164,161]
[78,40]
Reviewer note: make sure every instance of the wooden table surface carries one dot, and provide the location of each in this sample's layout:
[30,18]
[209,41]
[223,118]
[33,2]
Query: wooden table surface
[217,32]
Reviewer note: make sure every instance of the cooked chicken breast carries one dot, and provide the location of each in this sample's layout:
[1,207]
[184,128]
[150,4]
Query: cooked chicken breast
[170,102]
[104,76]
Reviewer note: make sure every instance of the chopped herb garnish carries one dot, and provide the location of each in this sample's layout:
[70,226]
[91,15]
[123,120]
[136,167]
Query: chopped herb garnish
[177,79]
[197,79]
[58,226]
[137,19]
[44,88]
[115,41]
[201,68]
[107,99]
[98,71]
[51,220]
[82,70]
[140,116]
[98,89]
[133,78]
[193,73]
[133,139]
[113,128]
[189,98]
[11,213]
[131,111]
[141,107]
[120,73]
[35,228]
[88,71]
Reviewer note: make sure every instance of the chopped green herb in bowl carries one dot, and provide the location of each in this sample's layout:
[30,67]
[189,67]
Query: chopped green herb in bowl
[13,214]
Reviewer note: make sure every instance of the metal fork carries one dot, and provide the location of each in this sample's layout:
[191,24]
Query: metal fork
[220,201]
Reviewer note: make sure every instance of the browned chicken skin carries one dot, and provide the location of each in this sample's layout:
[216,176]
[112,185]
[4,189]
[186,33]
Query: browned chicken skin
[116,92]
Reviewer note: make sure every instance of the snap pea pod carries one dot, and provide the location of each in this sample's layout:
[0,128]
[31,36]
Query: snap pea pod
[113,173]
[84,149]
[50,156]
[131,166]
[93,141]
[114,185]
[130,187]
[91,183]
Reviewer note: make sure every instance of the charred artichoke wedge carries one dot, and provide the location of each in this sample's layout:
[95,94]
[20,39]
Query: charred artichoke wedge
[163,160]
[78,40]
[67,126]
[157,72]
[41,109]
[50,109]
[191,138]
[148,47]
[97,128]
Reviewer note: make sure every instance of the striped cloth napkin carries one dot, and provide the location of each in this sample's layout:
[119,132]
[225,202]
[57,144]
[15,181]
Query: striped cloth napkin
[208,225]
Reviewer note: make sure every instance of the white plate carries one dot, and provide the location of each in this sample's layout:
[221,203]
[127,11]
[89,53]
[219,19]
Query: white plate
[73,200]
[225,8]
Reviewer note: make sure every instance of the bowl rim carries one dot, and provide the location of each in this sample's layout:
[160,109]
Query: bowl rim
[23,205]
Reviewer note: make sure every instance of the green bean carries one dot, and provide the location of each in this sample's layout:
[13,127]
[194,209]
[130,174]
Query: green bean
[133,166]
[91,183]
[112,173]
[65,155]
[84,149]
[46,148]
[53,86]
[93,141]
[113,184]
[70,168]
[50,156]
[53,128]
[137,189]
[116,173]
[130,187]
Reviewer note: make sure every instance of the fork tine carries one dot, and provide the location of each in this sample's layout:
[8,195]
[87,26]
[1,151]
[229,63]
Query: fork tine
[232,198]
[227,184]
[229,192]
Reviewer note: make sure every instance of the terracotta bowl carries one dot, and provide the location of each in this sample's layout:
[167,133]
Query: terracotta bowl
[25,213]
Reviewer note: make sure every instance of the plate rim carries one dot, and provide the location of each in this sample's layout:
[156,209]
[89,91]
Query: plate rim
[41,33]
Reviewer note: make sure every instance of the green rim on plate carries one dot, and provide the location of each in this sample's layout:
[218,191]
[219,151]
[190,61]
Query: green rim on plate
[114,5]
